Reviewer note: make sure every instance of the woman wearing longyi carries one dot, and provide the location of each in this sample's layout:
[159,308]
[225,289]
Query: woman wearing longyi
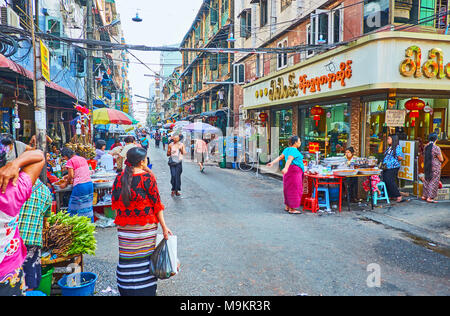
[292,175]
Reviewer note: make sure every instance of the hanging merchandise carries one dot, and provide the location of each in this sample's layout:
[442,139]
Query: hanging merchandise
[414,106]
[317,112]
[78,128]
[81,109]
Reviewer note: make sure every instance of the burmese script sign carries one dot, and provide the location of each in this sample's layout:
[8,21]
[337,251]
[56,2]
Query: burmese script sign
[280,89]
[406,171]
[395,118]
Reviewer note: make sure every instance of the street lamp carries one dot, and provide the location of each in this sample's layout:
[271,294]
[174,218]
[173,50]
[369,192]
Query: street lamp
[137,18]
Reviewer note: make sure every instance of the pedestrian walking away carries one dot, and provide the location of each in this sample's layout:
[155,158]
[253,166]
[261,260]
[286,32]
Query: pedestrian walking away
[136,199]
[432,166]
[157,139]
[144,141]
[81,199]
[165,140]
[201,151]
[16,181]
[391,165]
[175,152]
[292,175]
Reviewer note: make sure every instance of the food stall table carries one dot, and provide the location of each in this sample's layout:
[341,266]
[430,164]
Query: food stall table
[98,186]
[319,180]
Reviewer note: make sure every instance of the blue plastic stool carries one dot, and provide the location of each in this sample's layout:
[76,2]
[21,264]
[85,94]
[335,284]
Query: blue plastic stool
[384,194]
[323,202]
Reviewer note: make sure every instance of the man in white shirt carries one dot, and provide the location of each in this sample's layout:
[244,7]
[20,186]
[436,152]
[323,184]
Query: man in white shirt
[129,143]
[14,148]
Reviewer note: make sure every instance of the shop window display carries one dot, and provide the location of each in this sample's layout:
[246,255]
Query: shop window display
[432,119]
[282,119]
[329,132]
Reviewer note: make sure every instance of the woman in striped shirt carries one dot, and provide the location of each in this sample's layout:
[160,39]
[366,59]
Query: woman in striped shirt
[139,210]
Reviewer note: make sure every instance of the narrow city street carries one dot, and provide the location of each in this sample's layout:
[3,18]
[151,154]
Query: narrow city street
[235,239]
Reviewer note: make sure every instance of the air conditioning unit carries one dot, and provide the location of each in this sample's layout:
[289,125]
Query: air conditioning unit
[9,17]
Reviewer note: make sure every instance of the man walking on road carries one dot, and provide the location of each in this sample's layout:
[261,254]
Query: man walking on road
[175,153]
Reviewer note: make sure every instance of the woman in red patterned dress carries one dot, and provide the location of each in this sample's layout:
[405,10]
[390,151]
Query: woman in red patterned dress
[139,210]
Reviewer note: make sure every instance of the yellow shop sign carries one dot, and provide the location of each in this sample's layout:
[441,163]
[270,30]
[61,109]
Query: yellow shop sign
[432,68]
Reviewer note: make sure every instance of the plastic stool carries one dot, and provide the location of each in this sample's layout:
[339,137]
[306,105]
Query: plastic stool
[323,203]
[384,194]
[310,205]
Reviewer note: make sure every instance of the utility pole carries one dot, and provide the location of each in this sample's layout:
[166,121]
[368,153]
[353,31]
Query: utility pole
[89,70]
[40,108]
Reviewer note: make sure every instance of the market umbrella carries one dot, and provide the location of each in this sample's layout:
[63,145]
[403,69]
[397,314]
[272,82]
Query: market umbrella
[178,128]
[199,127]
[110,116]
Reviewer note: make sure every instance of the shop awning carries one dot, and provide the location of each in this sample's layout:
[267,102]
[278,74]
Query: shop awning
[220,112]
[99,103]
[10,66]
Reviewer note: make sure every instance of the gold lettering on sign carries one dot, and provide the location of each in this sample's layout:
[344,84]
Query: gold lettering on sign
[434,67]
[278,90]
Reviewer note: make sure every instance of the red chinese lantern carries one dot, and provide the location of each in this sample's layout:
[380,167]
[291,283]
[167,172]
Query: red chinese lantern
[317,112]
[263,116]
[414,106]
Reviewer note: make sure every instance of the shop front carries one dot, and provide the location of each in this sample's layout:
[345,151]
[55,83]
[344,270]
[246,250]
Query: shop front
[356,95]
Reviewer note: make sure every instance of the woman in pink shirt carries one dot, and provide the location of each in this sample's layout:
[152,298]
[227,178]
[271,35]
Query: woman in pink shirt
[16,181]
[80,202]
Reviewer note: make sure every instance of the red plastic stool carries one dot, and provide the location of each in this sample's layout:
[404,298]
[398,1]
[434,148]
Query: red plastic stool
[310,205]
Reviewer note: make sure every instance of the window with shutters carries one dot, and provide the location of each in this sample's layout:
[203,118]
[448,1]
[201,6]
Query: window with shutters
[327,26]
[245,19]
[214,12]
[282,59]
[54,28]
[264,12]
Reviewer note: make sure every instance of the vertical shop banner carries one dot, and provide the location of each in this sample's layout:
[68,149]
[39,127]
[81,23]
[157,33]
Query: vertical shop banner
[406,171]
[45,62]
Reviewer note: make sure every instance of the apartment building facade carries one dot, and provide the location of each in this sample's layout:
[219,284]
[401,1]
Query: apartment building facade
[206,77]
[67,65]
[369,45]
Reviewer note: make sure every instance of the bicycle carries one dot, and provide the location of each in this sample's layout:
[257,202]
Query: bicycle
[246,162]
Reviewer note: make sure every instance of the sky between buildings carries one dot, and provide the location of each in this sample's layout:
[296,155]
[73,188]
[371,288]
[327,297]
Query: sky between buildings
[164,23]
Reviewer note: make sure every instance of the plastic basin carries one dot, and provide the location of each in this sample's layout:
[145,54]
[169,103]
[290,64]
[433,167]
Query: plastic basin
[87,287]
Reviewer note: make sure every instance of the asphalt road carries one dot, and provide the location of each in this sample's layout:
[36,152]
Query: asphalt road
[235,239]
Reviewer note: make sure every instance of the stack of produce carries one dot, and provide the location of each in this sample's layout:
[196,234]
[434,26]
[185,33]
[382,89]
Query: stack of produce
[69,235]
[86,151]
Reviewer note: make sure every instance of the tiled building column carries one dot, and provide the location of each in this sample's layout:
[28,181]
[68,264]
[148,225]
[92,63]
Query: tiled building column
[295,120]
[355,124]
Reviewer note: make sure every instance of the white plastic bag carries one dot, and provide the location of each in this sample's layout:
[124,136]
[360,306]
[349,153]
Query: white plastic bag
[172,245]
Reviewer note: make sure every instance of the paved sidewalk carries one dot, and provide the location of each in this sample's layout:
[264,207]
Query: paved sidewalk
[430,222]
[425,222]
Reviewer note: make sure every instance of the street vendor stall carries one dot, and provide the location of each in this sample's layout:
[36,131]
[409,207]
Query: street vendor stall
[335,171]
